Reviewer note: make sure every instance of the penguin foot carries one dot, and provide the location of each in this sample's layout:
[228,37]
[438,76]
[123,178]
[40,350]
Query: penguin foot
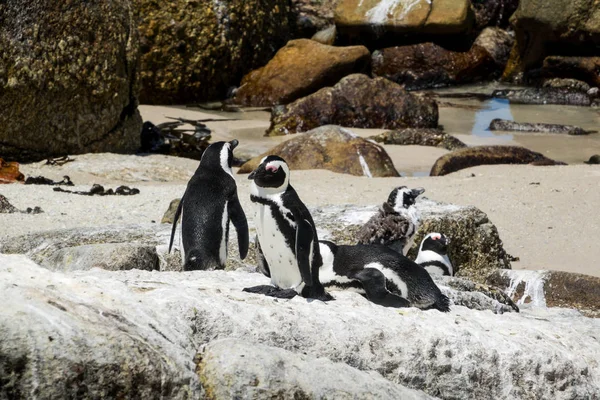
[271,291]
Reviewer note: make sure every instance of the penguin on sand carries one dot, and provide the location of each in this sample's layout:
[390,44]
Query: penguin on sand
[396,222]
[210,201]
[381,274]
[433,254]
[287,245]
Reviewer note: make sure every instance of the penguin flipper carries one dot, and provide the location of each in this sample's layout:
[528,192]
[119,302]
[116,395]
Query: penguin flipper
[261,261]
[177,215]
[304,240]
[373,282]
[271,291]
[238,218]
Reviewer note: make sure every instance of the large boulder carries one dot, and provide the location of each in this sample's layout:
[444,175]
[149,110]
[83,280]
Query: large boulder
[426,65]
[356,101]
[552,27]
[300,68]
[586,69]
[195,50]
[228,369]
[68,78]
[123,334]
[333,148]
[487,155]
[419,16]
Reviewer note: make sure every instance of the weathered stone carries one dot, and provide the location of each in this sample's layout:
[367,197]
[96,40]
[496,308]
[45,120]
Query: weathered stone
[169,215]
[333,148]
[228,368]
[420,16]
[300,68]
[356,101]
[498,43]
[475,296]
[498,124]
[547,95]
[547,27]
[326,36]
[109,256]
[6,207]
[421,137]
[487,155]
[428,65]
[137,332]
[568,83]
[312,16]
[9,172]
[493,12]
[551,289]
[68,79]
[595,159]
[586,69]
[194,50]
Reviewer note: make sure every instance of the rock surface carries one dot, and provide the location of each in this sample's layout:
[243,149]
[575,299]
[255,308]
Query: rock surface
[136,333]
[498,124]
[586,69]
[5,206]
[333,148]
[312,16]
[547,95]
[195,50]
[498,43]
[493,12]
[300,68]
[421,16]
[428,65]
[9,172]
[356,101]
[68,79]
[485,155]
[547,27]
[551,289]
[228,369]
[421,137]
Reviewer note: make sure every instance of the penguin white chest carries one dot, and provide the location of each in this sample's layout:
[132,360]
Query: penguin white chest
[283,264]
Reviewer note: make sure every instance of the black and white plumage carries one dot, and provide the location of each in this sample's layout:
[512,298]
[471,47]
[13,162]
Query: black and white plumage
[396,222]
[381,274]
[433,255]
[287,245]
[210,201]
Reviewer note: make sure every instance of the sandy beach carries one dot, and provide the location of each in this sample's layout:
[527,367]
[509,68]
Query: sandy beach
[546,216]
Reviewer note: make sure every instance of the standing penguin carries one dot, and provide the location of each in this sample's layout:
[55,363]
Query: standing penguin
[381,274]
[287,245]
[396,222]
[433,255]
[210,201]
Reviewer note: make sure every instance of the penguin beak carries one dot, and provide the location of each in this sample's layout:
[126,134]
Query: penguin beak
[418,191]
[257,171]
[233,144]
[251,176]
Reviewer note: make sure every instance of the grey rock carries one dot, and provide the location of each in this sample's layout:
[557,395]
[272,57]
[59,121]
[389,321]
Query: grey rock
[229,369]
[498,44]
[421,137]
[475,296]
[6,207]
[568,83]
[548,95]
[498,124]
[97,333]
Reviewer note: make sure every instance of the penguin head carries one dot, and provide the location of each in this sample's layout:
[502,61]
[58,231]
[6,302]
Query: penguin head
[219,155]
[273,174]
[436,242]
[402,198]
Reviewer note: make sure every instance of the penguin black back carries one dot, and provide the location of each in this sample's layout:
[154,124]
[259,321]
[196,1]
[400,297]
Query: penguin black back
[208,204]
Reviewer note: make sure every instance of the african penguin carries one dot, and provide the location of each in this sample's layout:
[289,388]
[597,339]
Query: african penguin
[396,222]
[381,274]
[433,255]
[210,201]
[287,245]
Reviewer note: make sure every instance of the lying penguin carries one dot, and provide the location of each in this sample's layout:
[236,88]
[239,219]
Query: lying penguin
[287,245]
[381,274]
[210,201]
[433,254]
[396,222]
